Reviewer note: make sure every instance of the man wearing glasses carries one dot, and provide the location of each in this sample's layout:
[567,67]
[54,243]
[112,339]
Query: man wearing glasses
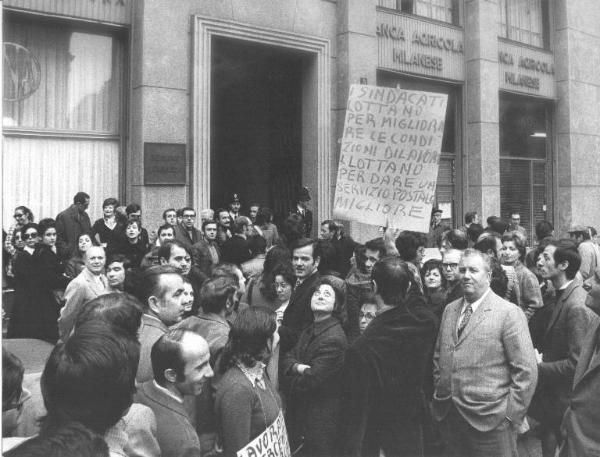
[186,232]
[450,260]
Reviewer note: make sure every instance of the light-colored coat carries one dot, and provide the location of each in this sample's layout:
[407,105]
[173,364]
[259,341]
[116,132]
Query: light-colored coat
[81,290]
[151,330]
[580,423]
[489,373]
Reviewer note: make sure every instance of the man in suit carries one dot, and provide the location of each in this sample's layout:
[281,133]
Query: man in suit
[450,262]
[587,250]
[561,343]
[89,284]
[161,294]
[235,250]
[297,315]
[484,367]
[185,232]
[71,223]
[180,363]
[384,370]
[302,210]
[580,431]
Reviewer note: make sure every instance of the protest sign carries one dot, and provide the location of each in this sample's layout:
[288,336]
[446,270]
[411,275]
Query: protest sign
[273,442]
[389,157]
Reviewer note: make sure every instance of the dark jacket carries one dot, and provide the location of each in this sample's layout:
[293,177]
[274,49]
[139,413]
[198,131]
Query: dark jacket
[182,235]
[307,218]
[344,247]
[382,394]
[298,314]
[569,322]
[313,397]
[235,250]
[358,288]
[69,225]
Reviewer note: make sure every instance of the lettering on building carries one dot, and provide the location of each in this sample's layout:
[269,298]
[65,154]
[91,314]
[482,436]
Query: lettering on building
[418,60]
[526,63]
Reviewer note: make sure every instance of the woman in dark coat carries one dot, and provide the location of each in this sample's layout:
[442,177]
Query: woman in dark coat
[23,322]
[310,372]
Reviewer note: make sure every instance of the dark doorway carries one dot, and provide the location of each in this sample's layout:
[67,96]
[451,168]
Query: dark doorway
[256,124]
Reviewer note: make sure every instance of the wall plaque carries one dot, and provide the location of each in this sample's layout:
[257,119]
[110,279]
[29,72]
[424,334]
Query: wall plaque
[165,164]
[526,70]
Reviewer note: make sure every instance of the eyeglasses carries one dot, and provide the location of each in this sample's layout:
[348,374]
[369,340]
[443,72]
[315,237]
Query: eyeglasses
[189,216]
[367,315]
[29,236]
[18,215]
[450,265]
[18,405]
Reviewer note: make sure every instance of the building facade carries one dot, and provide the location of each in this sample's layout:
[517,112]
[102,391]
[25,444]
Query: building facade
[173,103]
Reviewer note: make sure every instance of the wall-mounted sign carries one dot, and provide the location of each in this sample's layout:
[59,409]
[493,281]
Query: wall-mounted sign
[113,11]
[165,164]
[527,70]
[414,45]
[22,74]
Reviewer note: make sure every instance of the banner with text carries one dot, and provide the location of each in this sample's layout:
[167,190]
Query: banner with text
[273,442]
[389,157]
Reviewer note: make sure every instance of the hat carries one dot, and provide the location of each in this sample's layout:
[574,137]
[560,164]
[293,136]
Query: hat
[435,210]
[578,228]
[235,198]
[303,194]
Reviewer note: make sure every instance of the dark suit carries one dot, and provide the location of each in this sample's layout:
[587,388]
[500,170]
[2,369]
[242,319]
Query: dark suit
[561,346]
[188,239]
[298,314]
[307,218]
[69,225]
[344,247]
[314,400]
[382,398]
[235,250]
[580,426]
[175,433]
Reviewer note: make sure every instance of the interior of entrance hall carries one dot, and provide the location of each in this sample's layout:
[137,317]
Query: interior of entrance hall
[256,124]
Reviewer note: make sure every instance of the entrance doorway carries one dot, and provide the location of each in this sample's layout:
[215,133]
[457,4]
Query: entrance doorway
[256,127]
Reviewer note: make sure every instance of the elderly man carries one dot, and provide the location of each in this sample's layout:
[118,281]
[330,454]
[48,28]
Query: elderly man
[180,364]
[89,284]
[450,261]
[161,294]
[71,223]
[484,367]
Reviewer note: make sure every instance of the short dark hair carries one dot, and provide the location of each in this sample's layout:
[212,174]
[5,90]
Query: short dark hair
[498,277]
[120,310]
[487,244]
[457,239]
[164,251]
[167,353]
[150,283]
[221,210]
[28,226]
[69,439]
[132,222]
[132,208]
[433,264]
[214,294]
[80,197]
[340,297]
[470,217]
[328,258]
[473,232]
[257,245]
[91,377]
[331,225]
[110,201]
[286,271]
[250,332]
[12,376]
[164,227]
[499,225]
[168,210]
[543,229]
[376,244]
[408,243]
[566,251]
[263,216]
[187,208]
[46,224]
[393,278]
[207,222]
[303,242]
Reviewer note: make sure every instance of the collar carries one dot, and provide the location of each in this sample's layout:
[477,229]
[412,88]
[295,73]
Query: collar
[29,250]
[167,392]
[255,374]
[301,281]
[476,303]
[565,285]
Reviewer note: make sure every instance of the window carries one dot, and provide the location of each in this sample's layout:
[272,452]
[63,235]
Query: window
[440,10]
[62,114]
[525,21]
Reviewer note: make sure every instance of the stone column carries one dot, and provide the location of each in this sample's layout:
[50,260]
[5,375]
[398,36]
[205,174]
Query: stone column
[482,164]
[577,117]
[357,59]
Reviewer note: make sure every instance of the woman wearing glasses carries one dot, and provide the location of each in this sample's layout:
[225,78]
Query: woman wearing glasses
[13,242]
[23,322]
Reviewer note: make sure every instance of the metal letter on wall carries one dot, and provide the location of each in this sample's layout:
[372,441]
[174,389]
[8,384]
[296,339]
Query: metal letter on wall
[165,164]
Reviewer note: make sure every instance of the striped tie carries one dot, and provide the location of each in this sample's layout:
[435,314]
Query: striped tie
[465,319]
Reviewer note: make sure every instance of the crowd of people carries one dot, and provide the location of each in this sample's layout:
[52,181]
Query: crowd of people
[192,339]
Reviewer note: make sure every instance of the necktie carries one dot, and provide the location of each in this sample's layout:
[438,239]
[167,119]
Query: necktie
[298,282]
[465,319]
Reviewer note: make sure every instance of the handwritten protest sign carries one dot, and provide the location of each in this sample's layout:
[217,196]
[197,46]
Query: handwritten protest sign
[389,157]
[273,442]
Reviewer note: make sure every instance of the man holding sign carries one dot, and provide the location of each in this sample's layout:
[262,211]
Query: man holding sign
[389,157]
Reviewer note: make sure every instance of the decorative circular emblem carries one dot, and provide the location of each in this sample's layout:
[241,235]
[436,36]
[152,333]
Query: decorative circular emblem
[22,72]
